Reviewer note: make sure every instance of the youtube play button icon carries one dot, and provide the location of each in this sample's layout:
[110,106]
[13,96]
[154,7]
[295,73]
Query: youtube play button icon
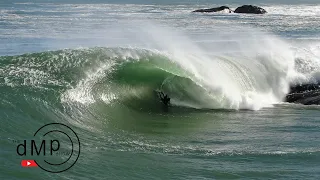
[28,163]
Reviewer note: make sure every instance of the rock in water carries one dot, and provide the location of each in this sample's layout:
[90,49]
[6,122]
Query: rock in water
[250,9]
[307,94]
[217,9]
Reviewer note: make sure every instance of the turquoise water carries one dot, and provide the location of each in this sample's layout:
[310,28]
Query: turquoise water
[96,68]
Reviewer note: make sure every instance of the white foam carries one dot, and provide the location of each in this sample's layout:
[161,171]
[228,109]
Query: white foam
[83,92]
[256,76]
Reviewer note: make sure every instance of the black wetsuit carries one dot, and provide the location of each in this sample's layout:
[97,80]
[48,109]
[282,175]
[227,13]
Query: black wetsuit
[164,98]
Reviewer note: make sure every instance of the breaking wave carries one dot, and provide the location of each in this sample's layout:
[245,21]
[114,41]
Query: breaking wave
[131,76]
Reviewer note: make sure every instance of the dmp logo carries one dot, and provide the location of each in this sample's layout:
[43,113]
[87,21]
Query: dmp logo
[56,148]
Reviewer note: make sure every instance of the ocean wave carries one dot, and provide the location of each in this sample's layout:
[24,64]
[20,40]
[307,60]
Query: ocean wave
[131,76]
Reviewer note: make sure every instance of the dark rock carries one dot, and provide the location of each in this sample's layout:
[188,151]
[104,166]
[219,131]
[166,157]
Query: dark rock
[307,94]
[250,9]
[217,9]
[304,87]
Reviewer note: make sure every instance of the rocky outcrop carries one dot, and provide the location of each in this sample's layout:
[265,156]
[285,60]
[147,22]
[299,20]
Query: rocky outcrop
[250,9]
[307,94]
[217,9]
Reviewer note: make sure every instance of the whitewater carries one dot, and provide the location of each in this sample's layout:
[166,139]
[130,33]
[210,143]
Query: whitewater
[254,72]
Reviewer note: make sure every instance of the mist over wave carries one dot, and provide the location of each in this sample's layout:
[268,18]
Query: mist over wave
[243,69]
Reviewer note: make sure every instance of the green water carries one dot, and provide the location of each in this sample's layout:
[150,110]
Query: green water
[126,133]
[276,143]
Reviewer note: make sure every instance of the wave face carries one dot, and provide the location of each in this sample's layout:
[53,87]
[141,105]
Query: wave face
[130,77]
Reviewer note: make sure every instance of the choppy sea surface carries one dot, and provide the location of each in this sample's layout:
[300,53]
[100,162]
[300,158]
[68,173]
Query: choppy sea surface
[97,67]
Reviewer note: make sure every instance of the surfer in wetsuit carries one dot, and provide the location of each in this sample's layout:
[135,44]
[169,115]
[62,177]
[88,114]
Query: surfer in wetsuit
[164,98]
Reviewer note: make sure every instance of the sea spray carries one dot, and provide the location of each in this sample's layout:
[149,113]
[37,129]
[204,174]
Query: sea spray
[247,70]
[242,69]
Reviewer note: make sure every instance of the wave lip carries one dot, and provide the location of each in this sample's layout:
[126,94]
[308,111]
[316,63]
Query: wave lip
[130,76]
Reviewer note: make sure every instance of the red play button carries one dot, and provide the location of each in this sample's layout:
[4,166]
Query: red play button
[28,163]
